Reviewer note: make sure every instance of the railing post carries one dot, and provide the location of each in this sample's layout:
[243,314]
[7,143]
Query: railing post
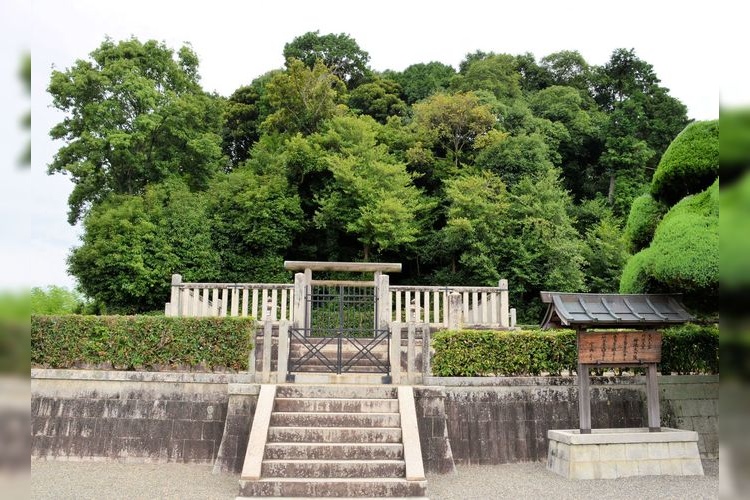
[299,300]
[426,361]
[282,362]
[411,351]
[395,353]
[267,344]
[384,301]
[504,314]
[174,304]
[512,317]
[455,311]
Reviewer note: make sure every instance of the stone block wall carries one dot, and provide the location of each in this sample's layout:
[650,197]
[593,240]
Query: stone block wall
[128,416]
[433,430]
[691,402]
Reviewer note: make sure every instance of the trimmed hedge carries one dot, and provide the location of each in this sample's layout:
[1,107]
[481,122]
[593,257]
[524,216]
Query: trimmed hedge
[645,214]
[141,342]
[689,165]
[475,353]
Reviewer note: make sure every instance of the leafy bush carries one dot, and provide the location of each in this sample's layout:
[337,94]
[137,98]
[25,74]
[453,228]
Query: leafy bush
[141,342]
[684,254]
[56,300]
[471,353]
[14,333]
[645,214]
[690,164]
[689,349]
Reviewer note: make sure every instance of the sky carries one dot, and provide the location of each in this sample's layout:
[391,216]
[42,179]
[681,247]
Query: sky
[237,41]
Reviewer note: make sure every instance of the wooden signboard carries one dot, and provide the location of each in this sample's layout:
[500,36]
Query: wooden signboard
[619,348]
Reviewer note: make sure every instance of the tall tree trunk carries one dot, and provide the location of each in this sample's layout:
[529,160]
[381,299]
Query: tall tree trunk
[367,252]
[611,193]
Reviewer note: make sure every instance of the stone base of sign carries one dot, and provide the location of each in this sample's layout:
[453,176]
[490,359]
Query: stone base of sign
[613,453]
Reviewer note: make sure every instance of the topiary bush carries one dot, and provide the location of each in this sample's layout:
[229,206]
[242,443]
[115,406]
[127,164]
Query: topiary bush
[689,165]
[684,254]
[141,342]
[645,214]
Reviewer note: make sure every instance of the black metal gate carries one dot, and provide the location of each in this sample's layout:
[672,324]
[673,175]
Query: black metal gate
[341,332]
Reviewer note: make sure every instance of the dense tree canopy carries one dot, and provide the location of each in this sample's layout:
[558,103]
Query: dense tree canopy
[507,167]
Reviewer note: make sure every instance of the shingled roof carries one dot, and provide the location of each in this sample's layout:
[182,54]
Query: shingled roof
[611,310]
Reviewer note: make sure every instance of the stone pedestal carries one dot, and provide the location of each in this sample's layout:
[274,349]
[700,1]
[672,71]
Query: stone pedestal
[613,453]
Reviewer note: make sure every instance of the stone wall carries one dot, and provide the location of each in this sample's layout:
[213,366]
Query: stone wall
[505,420]
[128,416]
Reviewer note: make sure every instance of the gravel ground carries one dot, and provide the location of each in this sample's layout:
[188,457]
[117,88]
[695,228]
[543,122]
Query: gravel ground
[94,480]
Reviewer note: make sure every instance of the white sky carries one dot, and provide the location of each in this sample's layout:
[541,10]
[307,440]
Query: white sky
[237,41]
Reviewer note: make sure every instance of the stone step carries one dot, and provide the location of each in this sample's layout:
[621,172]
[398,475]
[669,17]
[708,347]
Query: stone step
[334,435]
[333,468]
[342,405]
[357,367]
[333,487]
[350,379]
[313,419]
[336,391]
[334,451]
[331,352]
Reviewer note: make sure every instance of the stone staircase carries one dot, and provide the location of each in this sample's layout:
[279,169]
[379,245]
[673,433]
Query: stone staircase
[334,441]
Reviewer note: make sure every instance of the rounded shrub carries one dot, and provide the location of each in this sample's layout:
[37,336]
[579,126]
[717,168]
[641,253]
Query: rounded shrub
[684,254]
[689,165]
[645,214]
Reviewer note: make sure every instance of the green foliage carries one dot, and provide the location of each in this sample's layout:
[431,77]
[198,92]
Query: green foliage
[133,115]
[515,157]
[605,255]
[645,215]
[684,254]
[14,333]
[493,72]
[55,300]
[131,245]
[689,349]
[379,99]
[340,53]
[475,353]
[690,164]
[302,98]
[141,342]
[420,81]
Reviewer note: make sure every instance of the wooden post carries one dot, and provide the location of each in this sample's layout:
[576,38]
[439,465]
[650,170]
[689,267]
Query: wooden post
[584,399]
[174,303]
[652,399]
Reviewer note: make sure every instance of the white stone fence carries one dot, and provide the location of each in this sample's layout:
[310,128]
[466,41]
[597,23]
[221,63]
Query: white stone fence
[450,307]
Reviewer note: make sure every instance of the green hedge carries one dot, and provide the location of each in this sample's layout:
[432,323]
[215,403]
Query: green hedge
[476,353]
[141,342]
[689,165]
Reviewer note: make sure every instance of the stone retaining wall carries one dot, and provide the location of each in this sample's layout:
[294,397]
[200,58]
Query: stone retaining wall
[128,416]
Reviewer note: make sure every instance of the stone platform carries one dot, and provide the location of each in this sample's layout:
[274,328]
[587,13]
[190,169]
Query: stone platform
[613,453]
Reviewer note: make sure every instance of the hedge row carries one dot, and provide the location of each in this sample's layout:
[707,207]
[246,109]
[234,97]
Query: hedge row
[141,342]
[471,353]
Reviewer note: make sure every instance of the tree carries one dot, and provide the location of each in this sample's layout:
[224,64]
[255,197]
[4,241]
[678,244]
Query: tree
[379,99]
[420,81]
[545,251]
[134,116]
[372,195]
[476,225]
[340,53]
[253,221]
[302,98]
[246,109]
[568,68]
[494,72]
[515,157]
[605,255]
[132,244]
[55,300]
[454,121]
